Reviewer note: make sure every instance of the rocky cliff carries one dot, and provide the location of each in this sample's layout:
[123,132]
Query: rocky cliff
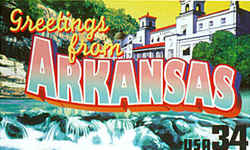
[12,77]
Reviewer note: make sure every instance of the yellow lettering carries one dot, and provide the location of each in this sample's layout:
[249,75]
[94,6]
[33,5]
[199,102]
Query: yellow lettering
[18,21]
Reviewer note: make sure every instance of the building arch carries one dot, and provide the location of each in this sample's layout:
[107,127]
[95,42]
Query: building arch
[187,8]
[142,24]
[158,54]
[198,7]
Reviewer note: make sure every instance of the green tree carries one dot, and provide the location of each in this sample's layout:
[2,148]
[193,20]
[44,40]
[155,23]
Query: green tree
[12,48]
[120,22]
[79,9]
[116,19]
[30,8]
[226,48]
[201,51]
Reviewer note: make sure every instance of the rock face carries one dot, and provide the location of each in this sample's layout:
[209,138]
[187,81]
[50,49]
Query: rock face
[12,77]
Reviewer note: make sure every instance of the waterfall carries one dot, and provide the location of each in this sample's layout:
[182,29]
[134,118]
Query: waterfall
[7,122]
[101,134]
[118,127]
[51,132]
[75,128]
[3,134]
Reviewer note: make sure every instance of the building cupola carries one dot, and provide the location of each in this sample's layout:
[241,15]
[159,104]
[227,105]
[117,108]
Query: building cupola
[147,22]
[196,6]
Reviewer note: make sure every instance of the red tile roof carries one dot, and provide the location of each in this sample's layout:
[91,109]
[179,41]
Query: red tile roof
[170,26]
[150,46]
[213,13]
[148,16]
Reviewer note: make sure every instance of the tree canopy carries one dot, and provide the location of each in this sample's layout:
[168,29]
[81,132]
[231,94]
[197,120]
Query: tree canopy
[28,6]
[226,48]
[116,19]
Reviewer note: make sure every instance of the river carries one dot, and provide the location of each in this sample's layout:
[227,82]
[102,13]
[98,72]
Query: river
[27,124]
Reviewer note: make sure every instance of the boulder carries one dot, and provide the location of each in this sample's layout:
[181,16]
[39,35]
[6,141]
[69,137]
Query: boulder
[15,132]
[147,140]
[181,127]
[98,116]
[32,120]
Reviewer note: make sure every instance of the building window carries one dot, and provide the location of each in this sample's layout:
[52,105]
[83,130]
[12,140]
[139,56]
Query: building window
[200,25]
[198,7]
[186,52]
[152,40]
[184,32]
[158,39]
[211,23]
[150,23]
[223,20]
[159,54]
[142,24]
[187,8]
[170,53]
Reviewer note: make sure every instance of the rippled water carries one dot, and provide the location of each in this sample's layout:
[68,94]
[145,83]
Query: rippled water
[28,124]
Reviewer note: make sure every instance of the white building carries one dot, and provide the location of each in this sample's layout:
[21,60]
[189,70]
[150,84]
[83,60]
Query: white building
[192,26]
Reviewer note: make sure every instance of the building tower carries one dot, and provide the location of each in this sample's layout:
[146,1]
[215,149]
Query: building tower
[234,5]
[196,6]
[190,10]
[147,24]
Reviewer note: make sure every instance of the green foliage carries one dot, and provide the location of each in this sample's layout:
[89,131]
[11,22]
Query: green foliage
[227,49]
[201,51]
[116,19]
[29,7]
[80,8]
[120,22]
